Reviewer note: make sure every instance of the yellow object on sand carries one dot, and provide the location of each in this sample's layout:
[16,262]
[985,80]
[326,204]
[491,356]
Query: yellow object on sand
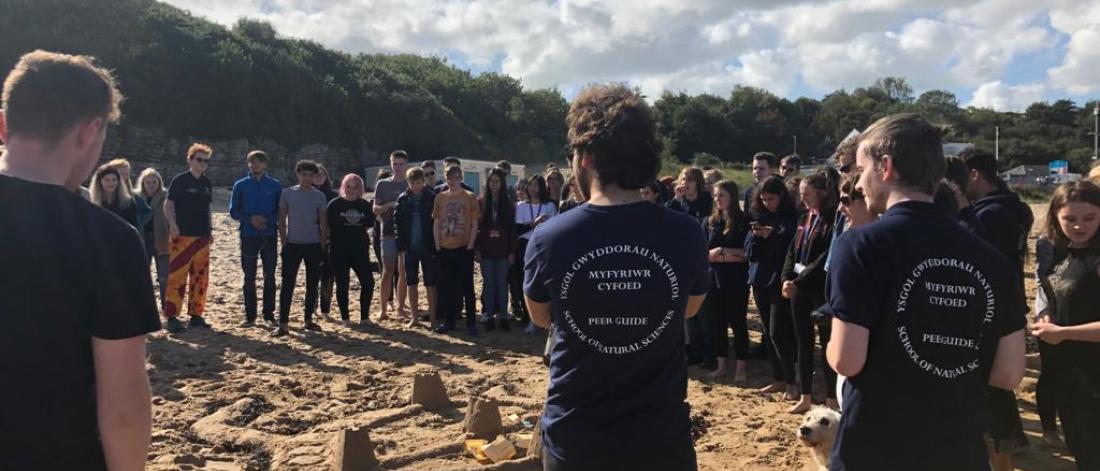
[474,446]
[500,450]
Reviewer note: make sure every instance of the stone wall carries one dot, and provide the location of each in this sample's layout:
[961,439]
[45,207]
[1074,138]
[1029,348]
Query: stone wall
[153,148]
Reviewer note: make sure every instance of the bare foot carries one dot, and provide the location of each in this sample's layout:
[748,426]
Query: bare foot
[382,315]
[741,375]
[832,404]
[717,373]
[792,393]
[802,407]
[773,388]
[412,323]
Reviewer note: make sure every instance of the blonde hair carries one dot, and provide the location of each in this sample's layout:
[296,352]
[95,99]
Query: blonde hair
[122,193]
[1094,174]
[150,173]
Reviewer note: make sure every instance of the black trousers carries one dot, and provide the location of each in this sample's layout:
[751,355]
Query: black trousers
[455,285]
[1046,390]
[515,282]
[293,256]
[729,307]
[328,278]
[775,315]
[357,260]
[255,249]
[682,460]
[802,306]
[1079,409]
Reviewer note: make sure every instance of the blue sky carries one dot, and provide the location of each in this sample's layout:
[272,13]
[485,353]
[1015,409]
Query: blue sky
[1001,54]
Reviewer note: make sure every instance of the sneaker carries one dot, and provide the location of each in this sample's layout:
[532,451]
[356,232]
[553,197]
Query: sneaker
[282,331]
[198,322]
[270,319]
[174,326]
[472,331]
[248,323]
[313,326]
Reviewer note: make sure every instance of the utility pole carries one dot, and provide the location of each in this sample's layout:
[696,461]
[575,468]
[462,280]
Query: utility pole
[795,145]
[1096,131]
[997,143]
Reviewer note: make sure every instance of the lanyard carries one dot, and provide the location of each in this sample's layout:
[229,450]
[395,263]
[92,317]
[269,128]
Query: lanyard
[531,211]
[806,236]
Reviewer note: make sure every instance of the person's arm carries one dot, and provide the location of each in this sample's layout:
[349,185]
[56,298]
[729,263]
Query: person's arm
[847,349]
[473,235]
[122,401]
[322,219]
[399,228]
[283,210]
[1010,361]
[236,206]
[1054,334]
[437,228]
[540,312]
[693,305]
[170,216]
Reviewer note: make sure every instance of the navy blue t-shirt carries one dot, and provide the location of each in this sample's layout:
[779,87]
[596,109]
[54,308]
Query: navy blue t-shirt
[618,280]
[192,197]
[936,300]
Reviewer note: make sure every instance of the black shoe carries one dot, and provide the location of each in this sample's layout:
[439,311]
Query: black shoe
[490,324]
[313,326]
[269,318]
[504,325]
[248,323]
[442,329]
[198,323]
[280,332]
[174,326]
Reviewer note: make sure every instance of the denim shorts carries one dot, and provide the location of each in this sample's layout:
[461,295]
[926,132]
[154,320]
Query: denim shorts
[389,250]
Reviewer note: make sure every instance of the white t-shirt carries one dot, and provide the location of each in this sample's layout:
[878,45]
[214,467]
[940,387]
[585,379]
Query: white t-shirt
[526,213]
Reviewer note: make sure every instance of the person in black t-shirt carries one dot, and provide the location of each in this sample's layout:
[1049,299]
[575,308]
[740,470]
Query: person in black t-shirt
[920,324]
[109,192]
[727,228]
[349,219]
[1069,324]
[617,277]
[188,212]
[692,196]
[75,291]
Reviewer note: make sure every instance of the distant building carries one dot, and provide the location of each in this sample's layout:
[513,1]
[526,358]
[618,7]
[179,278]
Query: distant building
[954,148]
[1026,174]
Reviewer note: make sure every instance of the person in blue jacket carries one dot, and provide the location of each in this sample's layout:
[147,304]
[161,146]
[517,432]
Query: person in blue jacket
[255,204]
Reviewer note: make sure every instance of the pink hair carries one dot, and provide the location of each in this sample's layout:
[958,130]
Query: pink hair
[350,178]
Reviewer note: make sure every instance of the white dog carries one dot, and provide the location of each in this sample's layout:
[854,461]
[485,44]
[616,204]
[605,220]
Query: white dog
[817,431]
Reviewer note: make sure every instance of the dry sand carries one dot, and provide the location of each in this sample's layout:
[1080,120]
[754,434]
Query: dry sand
[233,398]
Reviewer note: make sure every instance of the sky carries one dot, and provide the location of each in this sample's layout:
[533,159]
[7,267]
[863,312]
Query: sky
[999,54]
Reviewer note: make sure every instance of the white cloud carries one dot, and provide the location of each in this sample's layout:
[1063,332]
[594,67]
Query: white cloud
[1004,97]
[785,46]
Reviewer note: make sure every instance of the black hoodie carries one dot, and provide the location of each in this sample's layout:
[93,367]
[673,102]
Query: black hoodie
[1007,222]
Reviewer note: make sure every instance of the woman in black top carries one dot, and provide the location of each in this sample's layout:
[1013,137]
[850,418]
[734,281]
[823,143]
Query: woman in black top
[321,181]
[349,219]
[804,281]
[691,195]
[1070,323]
[770,232]
[111,194]
[729,293]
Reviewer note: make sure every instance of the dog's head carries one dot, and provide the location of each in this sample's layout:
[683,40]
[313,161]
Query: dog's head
[818,427]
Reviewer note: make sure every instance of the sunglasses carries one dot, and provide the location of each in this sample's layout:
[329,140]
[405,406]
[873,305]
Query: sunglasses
[847,200]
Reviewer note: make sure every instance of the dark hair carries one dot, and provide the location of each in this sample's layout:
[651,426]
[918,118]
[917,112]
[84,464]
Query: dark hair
[957,172]
[1082,191]
[307,166]
[257,155]
[846,150]
[451,160]
[505,208]
[914,146]
[777,186]
[452,168]
[765,156]
[384,173]
[848,184]
[503,164]
[945,198]
[414,174]
[736,218]
[428,164]
[47,93]
[615,125]
[399,154]
[695,175]
[826,184]
[983,162]
[327,185]
[543,195]
[794,160]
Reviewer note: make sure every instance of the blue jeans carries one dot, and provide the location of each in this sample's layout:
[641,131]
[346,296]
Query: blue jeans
[255,248]
[494,290]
